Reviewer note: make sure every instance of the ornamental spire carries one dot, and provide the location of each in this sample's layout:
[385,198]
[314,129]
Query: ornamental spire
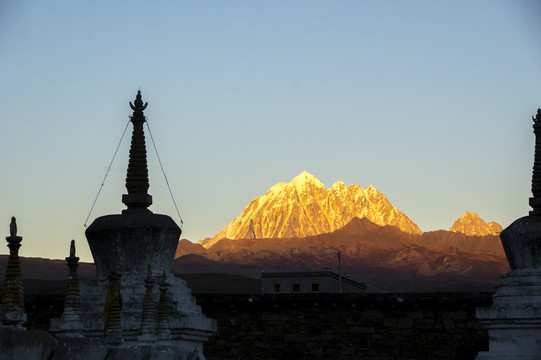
[148,314]
[535,201]
[164,325]
[12,315]
[137,175]
[70,323]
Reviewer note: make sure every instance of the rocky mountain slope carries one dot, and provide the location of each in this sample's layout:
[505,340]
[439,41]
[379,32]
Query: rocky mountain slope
[304,207]
[471,224]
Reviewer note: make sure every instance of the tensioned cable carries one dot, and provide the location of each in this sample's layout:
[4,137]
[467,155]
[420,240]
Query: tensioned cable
[163,172]
[107,172]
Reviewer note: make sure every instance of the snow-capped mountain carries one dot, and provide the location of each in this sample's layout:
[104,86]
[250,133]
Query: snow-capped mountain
[471,224]
[304,207]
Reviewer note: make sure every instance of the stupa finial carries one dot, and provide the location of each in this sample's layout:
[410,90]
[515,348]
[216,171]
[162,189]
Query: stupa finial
[137,175]
[13,227]
[138,107]
[535,201]
[72,248]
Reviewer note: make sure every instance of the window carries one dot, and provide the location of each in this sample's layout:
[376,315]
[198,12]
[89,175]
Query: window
[295,288]
[276,287]
[315,286]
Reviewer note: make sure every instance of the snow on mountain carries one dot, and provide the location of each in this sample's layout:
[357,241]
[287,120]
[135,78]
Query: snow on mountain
[304,207]
[471,224]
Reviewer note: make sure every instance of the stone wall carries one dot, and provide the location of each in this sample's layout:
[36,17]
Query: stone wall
[346,326]
[331,326]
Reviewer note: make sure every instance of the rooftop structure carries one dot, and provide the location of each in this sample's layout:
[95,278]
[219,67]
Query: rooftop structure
[292,282]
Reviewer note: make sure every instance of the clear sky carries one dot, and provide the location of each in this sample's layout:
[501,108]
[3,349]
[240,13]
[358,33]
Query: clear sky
[428,101]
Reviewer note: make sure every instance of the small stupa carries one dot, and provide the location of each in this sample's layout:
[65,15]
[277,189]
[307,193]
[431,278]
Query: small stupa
[12,314]
[133,251]
[514,319]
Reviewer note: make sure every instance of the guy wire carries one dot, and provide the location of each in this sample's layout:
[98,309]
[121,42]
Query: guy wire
[163,172]
[107,173]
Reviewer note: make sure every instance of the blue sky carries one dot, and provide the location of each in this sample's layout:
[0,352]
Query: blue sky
[428,101]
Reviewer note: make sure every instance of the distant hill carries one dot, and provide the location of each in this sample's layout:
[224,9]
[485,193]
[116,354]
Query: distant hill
[383,256]
[47,269]
[46,276]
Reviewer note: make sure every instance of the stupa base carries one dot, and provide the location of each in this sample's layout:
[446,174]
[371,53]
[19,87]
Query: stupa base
[514,319]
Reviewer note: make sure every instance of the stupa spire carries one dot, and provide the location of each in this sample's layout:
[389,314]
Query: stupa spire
[137,182]
[148,321]
[535,201]
[12,315]
[70,324]
[164,325]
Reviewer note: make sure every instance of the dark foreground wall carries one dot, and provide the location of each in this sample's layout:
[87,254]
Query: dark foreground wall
[343,326]
[331,326]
